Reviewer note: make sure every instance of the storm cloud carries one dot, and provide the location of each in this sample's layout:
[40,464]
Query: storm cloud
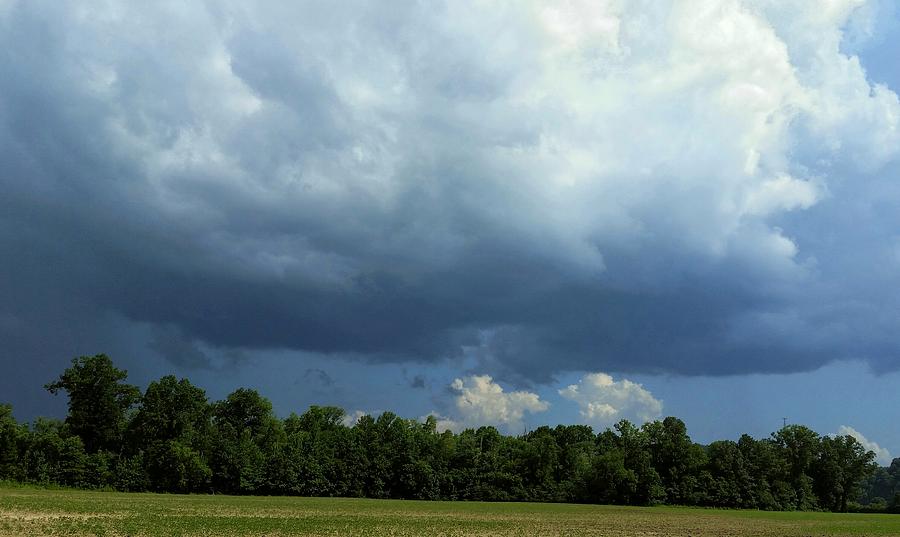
[701,188]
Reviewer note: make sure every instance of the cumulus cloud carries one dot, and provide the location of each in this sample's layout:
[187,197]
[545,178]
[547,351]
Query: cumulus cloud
[479,401]
[882,455]
[603,401]
[351,418]
[627,186]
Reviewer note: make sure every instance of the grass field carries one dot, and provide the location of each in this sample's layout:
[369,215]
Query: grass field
[31,511]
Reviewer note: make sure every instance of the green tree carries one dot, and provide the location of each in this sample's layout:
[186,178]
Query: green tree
[894,504]
[799,446]
[172,409]
[319,456]
[842,464]
[577,446]
[675,458]
[881,485]
[768,470]
[246,432]
[99,401]
[647,487]
[11,438]
[129,474]
[177,467]
[173,429]
[321,418]
[606,480]
[732,483]
[540,465]
[54,456]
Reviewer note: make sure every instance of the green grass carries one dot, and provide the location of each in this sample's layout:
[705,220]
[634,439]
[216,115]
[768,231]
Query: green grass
[33,511]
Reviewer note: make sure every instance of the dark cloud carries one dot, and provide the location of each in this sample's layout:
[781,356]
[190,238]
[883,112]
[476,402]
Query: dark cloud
[170,343]
[417,382]
[408,185]
[320,376]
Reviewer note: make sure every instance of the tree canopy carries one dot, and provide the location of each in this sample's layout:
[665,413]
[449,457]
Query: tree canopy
[172,438]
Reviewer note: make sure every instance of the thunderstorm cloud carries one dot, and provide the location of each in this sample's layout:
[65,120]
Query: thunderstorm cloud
[697,188]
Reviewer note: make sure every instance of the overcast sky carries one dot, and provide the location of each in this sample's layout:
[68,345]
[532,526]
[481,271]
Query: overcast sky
[505,213]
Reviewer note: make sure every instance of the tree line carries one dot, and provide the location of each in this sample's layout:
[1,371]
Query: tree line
[171,438]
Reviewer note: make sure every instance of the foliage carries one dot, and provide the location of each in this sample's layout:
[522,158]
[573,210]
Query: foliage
[98,401]
[172,439]
[171,431]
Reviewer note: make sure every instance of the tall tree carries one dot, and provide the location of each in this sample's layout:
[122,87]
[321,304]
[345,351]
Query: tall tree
[246,432]
[172,409]
[676,459]
[799,446]
[732,483]
[99,401]
[842,464]
[577,446]
[173,428]
[648,486]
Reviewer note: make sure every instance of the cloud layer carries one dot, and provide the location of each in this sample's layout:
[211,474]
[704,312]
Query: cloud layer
[690,187]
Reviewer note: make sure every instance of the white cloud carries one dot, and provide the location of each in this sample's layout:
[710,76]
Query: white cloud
[351,418]
[481,401]
[603,401]
[444,423]
[882,455]
[600,115]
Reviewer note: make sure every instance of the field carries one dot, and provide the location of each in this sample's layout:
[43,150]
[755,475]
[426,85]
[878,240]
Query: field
[31,511]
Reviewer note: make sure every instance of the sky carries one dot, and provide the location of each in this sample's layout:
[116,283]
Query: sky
[498,213]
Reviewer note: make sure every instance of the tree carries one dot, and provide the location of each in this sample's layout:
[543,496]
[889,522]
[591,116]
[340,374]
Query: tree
[11,435]
[319,456]
[577,446]
[173,428]
[172,409]
[732,483]
[799,446]
[675,458]
[321,418]
[246,431]
[176,467]
[607,480]
[894,505]
[54,456]
[633,442]
[881,486]
[841,466]
[541,464]
[99,401]
[768,470]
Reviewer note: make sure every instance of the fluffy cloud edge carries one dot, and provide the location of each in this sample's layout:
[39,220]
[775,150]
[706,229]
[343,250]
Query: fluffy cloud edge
[479,400]
[603,400]
[882,455]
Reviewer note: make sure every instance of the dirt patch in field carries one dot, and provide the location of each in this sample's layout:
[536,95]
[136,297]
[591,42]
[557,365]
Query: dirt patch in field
[38,516]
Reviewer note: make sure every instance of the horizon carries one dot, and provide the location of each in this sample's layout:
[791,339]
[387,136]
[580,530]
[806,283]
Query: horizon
[350,419]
